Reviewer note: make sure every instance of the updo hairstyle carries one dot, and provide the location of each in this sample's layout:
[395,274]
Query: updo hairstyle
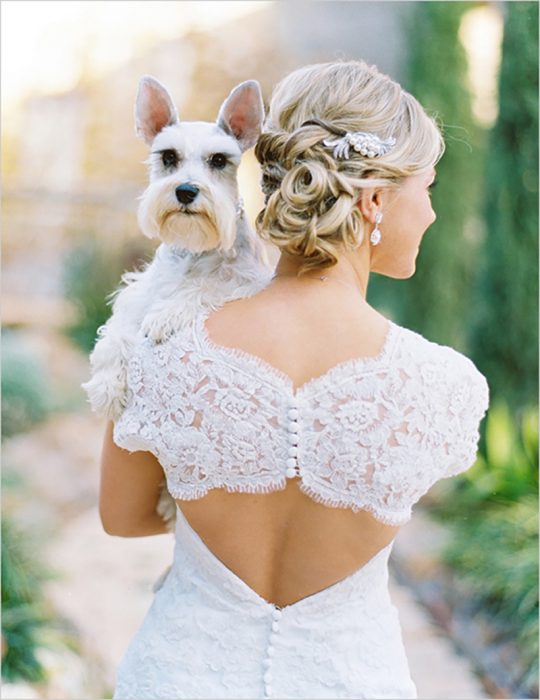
[311,197]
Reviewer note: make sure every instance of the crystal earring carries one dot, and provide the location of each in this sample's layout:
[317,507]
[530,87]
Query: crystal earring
[375,237]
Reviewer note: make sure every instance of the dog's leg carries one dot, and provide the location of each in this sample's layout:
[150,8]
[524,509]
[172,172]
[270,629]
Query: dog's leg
[209,281]
[108,384]
[107,387]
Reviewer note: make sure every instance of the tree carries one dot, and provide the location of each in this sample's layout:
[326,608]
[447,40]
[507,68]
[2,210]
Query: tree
[436,300]
[504,332]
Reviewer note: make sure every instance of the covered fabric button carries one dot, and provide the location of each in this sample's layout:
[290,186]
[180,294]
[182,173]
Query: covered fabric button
[270,650]
[293,413]
[268,688]
[266,662]
[293,451]
[291,462]
[275,626]
[276,614]
[293,427]
[267,677]
[293,438]
[290,473]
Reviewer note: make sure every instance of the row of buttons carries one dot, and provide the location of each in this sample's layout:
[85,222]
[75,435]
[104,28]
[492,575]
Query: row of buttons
[267,663]
[292,463]
[292,471]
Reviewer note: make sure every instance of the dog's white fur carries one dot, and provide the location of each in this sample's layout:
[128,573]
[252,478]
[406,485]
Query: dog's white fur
[208,253]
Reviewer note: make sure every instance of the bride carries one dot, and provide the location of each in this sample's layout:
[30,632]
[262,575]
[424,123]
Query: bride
[297,428]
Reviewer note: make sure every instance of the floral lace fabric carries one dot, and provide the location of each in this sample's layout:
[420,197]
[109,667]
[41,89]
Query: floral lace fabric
[371,433]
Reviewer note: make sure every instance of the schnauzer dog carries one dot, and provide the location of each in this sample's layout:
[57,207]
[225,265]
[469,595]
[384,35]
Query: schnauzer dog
[208,253]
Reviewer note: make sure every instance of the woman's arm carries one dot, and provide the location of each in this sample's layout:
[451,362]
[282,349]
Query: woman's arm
[129,491]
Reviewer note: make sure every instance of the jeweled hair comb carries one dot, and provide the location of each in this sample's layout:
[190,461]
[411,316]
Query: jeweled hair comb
[369,145]
[362,142]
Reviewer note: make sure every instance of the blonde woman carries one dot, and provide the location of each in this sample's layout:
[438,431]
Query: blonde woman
[297,428]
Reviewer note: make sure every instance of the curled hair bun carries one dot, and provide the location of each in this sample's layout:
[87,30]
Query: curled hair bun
[310,204]
[311,196]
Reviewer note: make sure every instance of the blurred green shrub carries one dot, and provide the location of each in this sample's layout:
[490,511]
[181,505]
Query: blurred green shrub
[492,511]
[92,272]
[24,612]
[495,552]
[26,394]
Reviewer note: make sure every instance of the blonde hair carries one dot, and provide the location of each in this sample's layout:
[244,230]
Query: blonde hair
[311,207]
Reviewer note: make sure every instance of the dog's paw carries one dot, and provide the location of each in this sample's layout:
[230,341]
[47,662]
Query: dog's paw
[157,327]
[107,393]
[116,408]
[160,325]
[166,507]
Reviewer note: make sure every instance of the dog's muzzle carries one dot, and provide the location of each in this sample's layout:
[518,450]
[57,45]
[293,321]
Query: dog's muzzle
[186,193]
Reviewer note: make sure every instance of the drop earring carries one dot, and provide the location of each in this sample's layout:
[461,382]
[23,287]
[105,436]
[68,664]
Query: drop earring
[375,237]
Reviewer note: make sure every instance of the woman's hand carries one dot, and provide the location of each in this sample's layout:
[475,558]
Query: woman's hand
[129,491]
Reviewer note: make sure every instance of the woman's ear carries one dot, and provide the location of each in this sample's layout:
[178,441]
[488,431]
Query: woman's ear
[369,203]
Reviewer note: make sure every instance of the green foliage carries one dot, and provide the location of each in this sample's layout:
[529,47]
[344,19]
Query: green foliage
[25,390]
[505,311]
[496,554]
[92,272]
[24,613]
[436,300]
[493,513]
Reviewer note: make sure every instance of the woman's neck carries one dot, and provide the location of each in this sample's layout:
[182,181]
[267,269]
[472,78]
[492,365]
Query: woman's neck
[352,270]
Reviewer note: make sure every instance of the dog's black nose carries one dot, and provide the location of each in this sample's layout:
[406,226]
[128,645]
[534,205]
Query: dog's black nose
[185,194]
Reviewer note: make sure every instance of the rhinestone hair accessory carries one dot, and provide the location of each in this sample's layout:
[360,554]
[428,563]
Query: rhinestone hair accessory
[369,145]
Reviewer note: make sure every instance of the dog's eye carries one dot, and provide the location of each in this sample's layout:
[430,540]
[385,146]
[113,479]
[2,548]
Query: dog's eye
[218,161]
[169,158]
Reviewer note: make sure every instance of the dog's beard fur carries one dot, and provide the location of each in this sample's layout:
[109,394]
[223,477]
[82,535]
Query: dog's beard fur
[207,224]
[193,232]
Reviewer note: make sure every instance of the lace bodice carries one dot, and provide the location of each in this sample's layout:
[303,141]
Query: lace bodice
[371,433]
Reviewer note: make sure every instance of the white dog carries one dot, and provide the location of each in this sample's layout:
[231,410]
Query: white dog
[208,254]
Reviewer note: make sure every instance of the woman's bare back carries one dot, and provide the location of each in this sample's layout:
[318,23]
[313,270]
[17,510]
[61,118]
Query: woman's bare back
[284,545]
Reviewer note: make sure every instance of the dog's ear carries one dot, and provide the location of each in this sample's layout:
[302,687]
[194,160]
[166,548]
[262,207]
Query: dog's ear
[154,109]
[242,114]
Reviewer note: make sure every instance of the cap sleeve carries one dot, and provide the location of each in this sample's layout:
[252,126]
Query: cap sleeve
[135,429]
[465,400]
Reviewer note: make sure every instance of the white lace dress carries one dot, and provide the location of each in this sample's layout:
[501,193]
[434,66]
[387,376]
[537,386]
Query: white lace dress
[372,434]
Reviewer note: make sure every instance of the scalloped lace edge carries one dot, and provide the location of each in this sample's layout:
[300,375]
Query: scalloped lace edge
[386,517]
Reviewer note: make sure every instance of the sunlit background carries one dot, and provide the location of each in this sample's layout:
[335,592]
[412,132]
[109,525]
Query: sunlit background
[70,73]
[85,40]
[72,171]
